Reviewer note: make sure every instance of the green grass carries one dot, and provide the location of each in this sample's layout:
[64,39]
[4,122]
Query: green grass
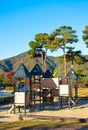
[45,124]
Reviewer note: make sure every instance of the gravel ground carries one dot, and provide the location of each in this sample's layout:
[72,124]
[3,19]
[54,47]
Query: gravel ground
[80,112]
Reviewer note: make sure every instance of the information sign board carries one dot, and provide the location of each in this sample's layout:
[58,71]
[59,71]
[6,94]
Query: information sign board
[64,90]
[19,97]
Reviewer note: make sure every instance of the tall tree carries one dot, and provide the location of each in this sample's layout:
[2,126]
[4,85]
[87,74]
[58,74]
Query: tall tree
[60,38]
[42,38]
[32,51]
[85,36]
[76,56]
[38,47]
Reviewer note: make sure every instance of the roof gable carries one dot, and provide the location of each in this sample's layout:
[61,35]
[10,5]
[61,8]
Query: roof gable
[47,74]
[21,72]
[37,70]
[48,83]
[71,74]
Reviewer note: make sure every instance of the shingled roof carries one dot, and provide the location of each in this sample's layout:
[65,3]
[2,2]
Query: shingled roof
[36,70]
[48,83]
[21,72]
[71,74]
[47,74]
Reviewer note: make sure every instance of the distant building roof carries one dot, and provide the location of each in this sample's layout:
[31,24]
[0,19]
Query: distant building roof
[21,72]
[47,74]
[36,70]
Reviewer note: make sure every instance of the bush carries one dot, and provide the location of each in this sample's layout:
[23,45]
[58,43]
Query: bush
[9,88]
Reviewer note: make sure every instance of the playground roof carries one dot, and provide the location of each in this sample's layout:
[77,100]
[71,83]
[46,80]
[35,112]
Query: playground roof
[48,83]
[21,72]
[37,70]
[71,74]
[47,74]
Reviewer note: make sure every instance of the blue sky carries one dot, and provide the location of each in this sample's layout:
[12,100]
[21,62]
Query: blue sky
[20,20]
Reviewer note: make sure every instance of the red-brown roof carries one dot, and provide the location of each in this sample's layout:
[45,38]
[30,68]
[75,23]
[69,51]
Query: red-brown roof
[48,83]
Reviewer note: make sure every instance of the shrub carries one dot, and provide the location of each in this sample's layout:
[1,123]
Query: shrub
[9,88]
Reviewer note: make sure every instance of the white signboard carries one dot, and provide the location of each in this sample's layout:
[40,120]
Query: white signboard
[19,97]
[64,90]
[55,81]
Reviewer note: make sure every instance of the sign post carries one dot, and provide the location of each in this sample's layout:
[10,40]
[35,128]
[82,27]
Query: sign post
[63,92]
[19,100]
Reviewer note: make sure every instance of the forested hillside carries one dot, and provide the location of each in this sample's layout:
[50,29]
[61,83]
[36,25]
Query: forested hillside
[54,64]
[13,63]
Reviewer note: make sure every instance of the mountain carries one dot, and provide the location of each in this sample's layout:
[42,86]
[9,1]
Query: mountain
[54,64]
[13,63]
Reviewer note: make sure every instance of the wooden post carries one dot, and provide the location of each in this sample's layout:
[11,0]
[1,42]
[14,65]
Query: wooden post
[30,92]
[14,99]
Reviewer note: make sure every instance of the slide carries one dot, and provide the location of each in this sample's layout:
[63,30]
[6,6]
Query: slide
[11,109]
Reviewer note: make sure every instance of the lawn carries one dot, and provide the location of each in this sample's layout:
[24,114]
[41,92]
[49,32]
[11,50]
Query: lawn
[41,124]
[82,92]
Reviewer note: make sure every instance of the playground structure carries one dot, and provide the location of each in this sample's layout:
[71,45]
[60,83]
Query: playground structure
[40,89]
[72,81]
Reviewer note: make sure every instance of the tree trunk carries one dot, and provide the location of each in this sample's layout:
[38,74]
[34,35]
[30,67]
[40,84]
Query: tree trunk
[65,66]
[44,61]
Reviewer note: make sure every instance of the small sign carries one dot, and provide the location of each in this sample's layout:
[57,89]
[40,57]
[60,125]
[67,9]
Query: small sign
[64,90]
[19,97]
